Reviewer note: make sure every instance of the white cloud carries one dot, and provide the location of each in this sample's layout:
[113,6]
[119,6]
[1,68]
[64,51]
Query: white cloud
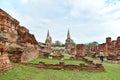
[117,14]
[24,1]
[94,18]
[110,8]
[85,7]
[45,21]
[110,12]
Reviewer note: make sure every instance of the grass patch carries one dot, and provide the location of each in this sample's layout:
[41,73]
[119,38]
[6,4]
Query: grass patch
[21,72]
[53,61]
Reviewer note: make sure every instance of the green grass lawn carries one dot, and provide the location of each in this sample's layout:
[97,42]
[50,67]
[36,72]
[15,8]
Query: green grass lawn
[51,61]
[21,72]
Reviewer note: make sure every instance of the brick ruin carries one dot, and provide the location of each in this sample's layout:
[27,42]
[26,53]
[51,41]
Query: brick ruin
[111,48]
[45,48]
[4,60]
[92,51]
[23,47]
[22,54]
[80,49]
[48,42]
[69,43]
[92,67]
[58,50]
[17,38]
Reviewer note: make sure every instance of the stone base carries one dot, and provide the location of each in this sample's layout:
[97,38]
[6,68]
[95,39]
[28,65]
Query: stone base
[5,68]
[4,63]
[63,66]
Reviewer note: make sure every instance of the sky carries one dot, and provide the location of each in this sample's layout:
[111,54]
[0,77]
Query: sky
[87,20]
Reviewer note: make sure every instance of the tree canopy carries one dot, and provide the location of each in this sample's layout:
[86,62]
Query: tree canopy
[94,43]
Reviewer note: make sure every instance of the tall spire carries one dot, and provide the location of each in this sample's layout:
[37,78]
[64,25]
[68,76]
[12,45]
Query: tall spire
[48,41]
[48,34]
[47,37]
[68,34]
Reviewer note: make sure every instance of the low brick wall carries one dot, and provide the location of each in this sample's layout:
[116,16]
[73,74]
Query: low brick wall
[63,66]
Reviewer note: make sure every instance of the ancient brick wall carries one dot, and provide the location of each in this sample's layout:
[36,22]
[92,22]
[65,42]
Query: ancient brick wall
[111,49]
[29,54]
[4,63]
[80,49]
[4,60]
[11,29]
[73,51]
[23,55]
[14,33]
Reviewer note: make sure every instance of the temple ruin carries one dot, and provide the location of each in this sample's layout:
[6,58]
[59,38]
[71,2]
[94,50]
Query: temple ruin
[4,60]
[69,42]
[21,43]
[18,45]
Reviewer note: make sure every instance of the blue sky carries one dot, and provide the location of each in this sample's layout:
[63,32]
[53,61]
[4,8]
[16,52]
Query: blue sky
[87,20]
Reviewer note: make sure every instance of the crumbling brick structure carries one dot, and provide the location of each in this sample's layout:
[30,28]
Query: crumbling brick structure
[69,43]
[4,60]
[17,36]
[11,29]
[111,48]
[80,49]
[22,54]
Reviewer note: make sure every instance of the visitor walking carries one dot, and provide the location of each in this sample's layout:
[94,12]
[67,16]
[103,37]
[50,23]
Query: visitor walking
[101,56]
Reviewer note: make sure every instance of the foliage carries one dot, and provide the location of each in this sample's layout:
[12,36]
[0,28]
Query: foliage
[94,43]
[57,44]
[74,44]
[60,44]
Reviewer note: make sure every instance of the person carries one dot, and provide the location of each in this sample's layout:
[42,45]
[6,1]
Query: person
[101,56]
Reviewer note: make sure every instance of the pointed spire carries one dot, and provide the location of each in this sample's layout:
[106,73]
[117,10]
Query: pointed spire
[68,34]
[48,34]
[48,38]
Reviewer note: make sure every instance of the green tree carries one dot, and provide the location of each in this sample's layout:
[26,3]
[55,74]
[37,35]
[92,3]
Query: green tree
[57,43]
[74,43]
[94,43]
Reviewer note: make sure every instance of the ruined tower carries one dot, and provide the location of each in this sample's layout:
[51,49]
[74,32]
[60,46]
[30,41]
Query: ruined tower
[69,42]
[48,41]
